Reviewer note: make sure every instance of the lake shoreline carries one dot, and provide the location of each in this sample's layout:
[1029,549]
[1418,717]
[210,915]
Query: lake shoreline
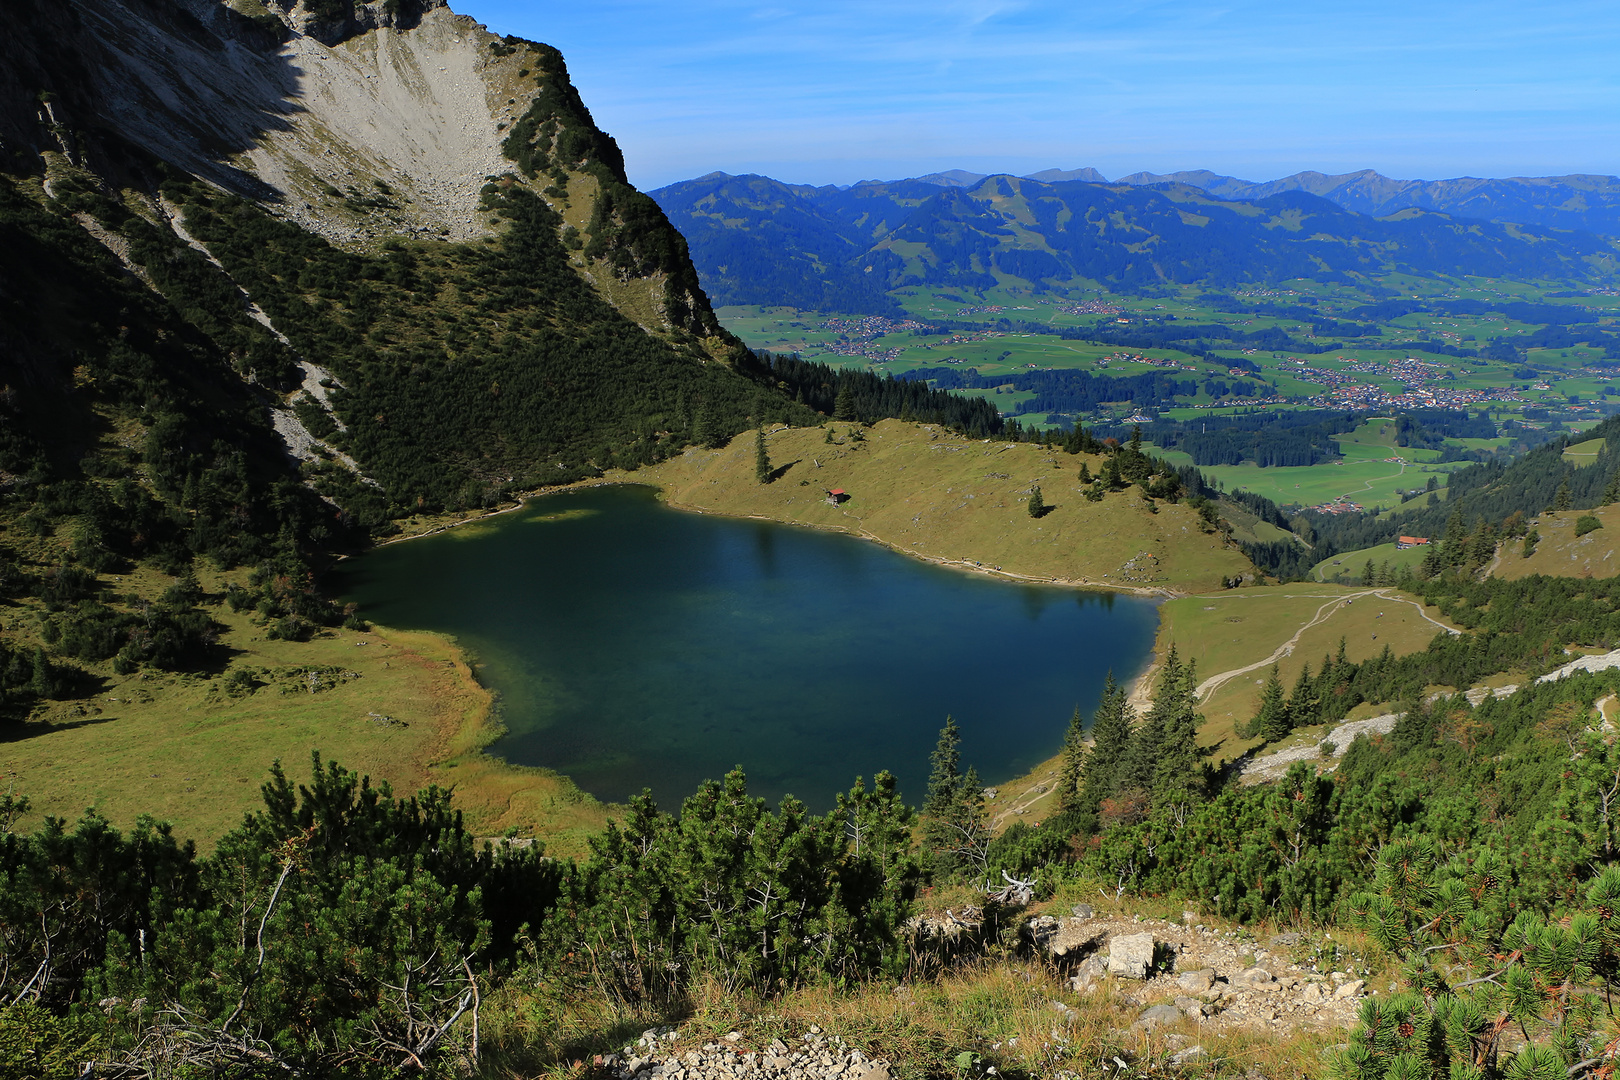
[1137,685]
[461,601]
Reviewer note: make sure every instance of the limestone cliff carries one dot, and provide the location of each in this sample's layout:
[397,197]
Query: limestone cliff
[361,122]
[402,235]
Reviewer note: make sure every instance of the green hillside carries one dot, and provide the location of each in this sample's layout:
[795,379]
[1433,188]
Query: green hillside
[759,241]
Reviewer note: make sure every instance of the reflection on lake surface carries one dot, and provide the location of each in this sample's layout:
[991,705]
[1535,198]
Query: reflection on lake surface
[636,646]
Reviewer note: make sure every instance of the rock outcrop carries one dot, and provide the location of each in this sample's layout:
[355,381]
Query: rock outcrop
[1214,978]
[814,1056]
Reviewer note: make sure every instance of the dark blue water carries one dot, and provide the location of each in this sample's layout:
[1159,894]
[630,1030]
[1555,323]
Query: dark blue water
[636,646]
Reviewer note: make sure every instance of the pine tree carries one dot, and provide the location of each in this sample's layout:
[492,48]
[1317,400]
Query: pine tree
[945,789]
[1368,574]
[1178,778]
[704,433]
[1456,541]
[1111,475]
[1136,439]
[970,826]
[945,771]
[1483,545]
[956,829]
[844,404]
[1142,762]
[762,458]
[1302,702]
[1562,499]
[1036,505]
[1110,743]
[1611,494]
[1070,796]
[1272,722]
[1432,563]
[1085,473]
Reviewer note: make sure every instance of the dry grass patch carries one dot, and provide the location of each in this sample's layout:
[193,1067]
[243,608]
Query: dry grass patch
[1560,553]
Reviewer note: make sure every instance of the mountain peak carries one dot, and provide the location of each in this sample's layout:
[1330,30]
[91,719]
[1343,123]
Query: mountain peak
[331,23]
[953,178]
[1059,176]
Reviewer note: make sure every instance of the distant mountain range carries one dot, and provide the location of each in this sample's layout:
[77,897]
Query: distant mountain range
[756,240]
[1561,202]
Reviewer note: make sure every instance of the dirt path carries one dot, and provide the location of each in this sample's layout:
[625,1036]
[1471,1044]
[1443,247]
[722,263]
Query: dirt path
[1376,480]
[1323,614]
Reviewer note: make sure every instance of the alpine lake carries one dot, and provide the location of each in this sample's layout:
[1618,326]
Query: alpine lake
[635,646]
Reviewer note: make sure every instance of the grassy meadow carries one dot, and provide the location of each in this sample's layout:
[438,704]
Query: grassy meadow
[1352,563]
[1560,553]
[927,492]
[1365,474]
[192,748]
[1237,629]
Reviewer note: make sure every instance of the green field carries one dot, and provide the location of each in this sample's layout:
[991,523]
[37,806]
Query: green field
[1583,453]
[1539,394]
[1007,329]
[1365,476]
[1351,563]
[1234,635]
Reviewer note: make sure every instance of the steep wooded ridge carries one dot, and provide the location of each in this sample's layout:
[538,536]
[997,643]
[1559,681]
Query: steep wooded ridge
[759,241]
[398,238]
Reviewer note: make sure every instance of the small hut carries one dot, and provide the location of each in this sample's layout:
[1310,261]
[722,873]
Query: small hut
[837,496]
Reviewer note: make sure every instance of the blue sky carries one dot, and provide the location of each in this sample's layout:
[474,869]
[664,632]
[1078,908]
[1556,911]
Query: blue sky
[836,91]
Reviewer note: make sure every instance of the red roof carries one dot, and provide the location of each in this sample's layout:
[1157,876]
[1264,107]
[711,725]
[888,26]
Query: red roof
[1414,539]
[836,491]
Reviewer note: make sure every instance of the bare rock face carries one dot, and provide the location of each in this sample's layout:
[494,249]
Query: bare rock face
[362,121]
[1130,956]
[337,20]
[661,1054]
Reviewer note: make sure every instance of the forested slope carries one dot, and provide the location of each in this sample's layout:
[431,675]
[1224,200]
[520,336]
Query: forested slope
[759,241]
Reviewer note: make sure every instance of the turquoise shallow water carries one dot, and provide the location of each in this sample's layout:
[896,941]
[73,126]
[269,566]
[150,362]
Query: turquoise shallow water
[636,646]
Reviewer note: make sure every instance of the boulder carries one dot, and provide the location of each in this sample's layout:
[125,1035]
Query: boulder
[1130,956]
[1082,911]
[1091,969]
[1196,982]
[1253,977]
[1159,1014]
[1072,936]
[1041,929]
[1191,1054]
[1351,989]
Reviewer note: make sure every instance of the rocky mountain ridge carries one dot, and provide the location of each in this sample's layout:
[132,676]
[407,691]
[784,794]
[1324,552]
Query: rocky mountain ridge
[364,212]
